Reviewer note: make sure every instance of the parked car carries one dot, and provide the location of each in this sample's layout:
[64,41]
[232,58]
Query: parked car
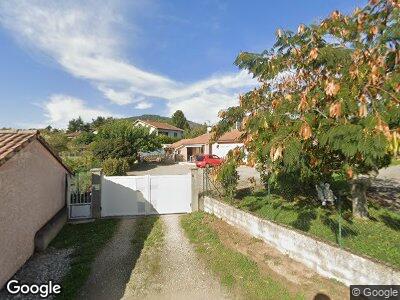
[208,160]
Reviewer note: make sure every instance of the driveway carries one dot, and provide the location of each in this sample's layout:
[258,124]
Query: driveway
[245,173]
[154,169]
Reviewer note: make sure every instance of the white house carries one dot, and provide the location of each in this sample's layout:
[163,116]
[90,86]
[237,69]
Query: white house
[187,149]
[160,128]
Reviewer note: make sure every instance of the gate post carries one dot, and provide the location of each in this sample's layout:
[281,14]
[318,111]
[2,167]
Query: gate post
[197,187]
[97,175]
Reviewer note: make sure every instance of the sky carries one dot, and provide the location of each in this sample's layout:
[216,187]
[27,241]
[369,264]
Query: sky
[64,59]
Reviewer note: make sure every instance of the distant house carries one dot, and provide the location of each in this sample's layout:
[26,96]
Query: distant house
[33,183]
[161,128]
[188,149]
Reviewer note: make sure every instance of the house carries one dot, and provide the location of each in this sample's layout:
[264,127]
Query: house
[33,183]
[160,128]
[188,149]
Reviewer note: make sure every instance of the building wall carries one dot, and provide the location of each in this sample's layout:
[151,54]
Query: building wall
[171,133]
[222,149]
[151,129]
[32,191]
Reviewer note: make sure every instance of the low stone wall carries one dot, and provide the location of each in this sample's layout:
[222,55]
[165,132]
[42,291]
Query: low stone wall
[325,259]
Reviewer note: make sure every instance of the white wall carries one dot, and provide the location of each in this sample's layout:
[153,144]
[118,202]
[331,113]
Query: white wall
[325,259]
[145,195]
[222,149]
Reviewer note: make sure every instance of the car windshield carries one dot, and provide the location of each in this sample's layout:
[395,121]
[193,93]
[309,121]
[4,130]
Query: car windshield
[200,158]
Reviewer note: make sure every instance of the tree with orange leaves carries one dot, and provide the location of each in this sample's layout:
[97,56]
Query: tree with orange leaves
[328,102]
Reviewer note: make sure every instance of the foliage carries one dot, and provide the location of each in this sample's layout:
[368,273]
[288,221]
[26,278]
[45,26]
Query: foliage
[164,139]
[378,237]
[57,140]
[84,138]
[180,121]
[99,121]
[236,271]
[86,240]
[77,125]
[328,100]
[227,175]
[82,163]
[115,166]
[195,131]
[120,139]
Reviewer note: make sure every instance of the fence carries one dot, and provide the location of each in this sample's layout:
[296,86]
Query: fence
[377,236]
[80,199]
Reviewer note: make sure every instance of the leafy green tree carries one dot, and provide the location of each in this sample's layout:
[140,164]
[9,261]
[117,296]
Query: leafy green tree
[196,131]
[120,139]
[58,141]
[84,138]
[77,125]
[328,102]
[180,121]
[99,121]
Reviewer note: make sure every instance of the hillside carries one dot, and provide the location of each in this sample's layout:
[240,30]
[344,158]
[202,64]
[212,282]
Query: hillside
[161,119]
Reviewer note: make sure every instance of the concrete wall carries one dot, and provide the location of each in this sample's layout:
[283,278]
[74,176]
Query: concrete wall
[32,191]
[222,149]
[325,259]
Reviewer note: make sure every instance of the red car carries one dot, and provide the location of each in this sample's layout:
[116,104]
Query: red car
[208,160]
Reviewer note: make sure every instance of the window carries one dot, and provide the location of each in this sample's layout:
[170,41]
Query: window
[175,134]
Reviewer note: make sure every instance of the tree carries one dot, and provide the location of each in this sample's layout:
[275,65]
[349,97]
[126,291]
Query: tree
[77,125]
[180,121]
[328,102]
[58,141]
[196,131]
[120,139]
[99,121]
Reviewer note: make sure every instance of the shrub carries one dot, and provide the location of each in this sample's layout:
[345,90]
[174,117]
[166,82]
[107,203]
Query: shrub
[115,166]
[228,177]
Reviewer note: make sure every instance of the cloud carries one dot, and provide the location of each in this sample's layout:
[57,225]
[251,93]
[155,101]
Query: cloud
[143,105]
[59,109]
[82,37]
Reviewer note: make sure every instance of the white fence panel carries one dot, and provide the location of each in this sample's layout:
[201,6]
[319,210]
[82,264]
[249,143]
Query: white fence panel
[171,193]
[124,195]
[145,195]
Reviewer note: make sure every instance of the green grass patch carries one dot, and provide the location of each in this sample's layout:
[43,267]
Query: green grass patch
[395,162]
[377,237]
[237,271]
[149,238]
[87,239]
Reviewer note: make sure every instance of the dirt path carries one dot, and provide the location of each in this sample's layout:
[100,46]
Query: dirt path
[112,267]
[182,275]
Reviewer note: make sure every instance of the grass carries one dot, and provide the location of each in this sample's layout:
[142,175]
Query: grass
[87,239]
[377,237]
[149,239]
[237,271]
[395,162]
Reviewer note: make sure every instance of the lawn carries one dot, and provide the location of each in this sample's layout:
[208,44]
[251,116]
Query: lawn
[87,239]
[377,237]
[236,271]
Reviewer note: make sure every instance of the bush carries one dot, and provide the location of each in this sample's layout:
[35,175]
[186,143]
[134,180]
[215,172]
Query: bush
[228,177]
[115,166]
[82,163]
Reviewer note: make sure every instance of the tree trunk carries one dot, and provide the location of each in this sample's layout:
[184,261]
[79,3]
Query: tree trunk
[359,197]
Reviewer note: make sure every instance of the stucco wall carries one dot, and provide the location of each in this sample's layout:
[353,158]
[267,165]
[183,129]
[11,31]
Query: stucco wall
[32,191]
[323,258]
[222,149]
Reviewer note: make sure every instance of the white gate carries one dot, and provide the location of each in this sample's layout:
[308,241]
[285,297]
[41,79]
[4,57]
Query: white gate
[145,195]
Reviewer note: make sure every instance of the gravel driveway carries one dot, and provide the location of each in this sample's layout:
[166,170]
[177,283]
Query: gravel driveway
[182,275]
[112,267]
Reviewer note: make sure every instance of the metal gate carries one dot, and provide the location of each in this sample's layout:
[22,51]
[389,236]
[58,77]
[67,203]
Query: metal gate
[145,195]
[79,201]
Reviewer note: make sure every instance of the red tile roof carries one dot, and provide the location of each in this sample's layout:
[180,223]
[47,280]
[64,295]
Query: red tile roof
[161,125]
[12,141]
[232,136]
